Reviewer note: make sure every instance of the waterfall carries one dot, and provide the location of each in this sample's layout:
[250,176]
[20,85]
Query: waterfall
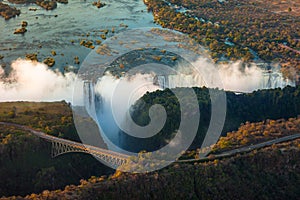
[89,98]
[162,82]
[110,98]
[274,79]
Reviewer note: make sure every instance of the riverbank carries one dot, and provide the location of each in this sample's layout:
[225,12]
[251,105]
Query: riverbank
[232,30]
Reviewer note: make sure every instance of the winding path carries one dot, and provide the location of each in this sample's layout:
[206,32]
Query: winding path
[245,149]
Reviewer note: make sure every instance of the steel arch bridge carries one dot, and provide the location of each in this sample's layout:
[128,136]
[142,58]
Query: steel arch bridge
[61,146]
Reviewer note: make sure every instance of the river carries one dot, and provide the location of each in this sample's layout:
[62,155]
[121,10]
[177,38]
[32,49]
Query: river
[56,29]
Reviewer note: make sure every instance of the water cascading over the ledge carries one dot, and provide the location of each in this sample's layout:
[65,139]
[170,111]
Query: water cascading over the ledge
[97,102]
[94,101]
[268,80]
[89,98]
[274,79]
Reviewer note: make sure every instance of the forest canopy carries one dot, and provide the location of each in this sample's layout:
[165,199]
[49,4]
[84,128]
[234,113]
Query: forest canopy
[257,106]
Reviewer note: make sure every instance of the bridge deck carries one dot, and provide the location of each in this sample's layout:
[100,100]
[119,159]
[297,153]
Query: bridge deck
[89,148]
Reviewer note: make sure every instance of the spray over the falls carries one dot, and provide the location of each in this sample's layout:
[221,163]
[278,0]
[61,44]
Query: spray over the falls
[113,97]
[34,81]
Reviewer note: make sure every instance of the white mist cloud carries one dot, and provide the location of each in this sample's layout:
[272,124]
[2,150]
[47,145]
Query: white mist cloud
[117,95]
[34,81]
[235,76]
[247,78]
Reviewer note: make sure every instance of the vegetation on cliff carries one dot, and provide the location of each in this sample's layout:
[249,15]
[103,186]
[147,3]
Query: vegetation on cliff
[253,133]
[269,173]
[25,160]
[260,105]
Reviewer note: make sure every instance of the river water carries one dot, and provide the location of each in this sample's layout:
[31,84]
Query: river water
[56,29]
[64,28]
